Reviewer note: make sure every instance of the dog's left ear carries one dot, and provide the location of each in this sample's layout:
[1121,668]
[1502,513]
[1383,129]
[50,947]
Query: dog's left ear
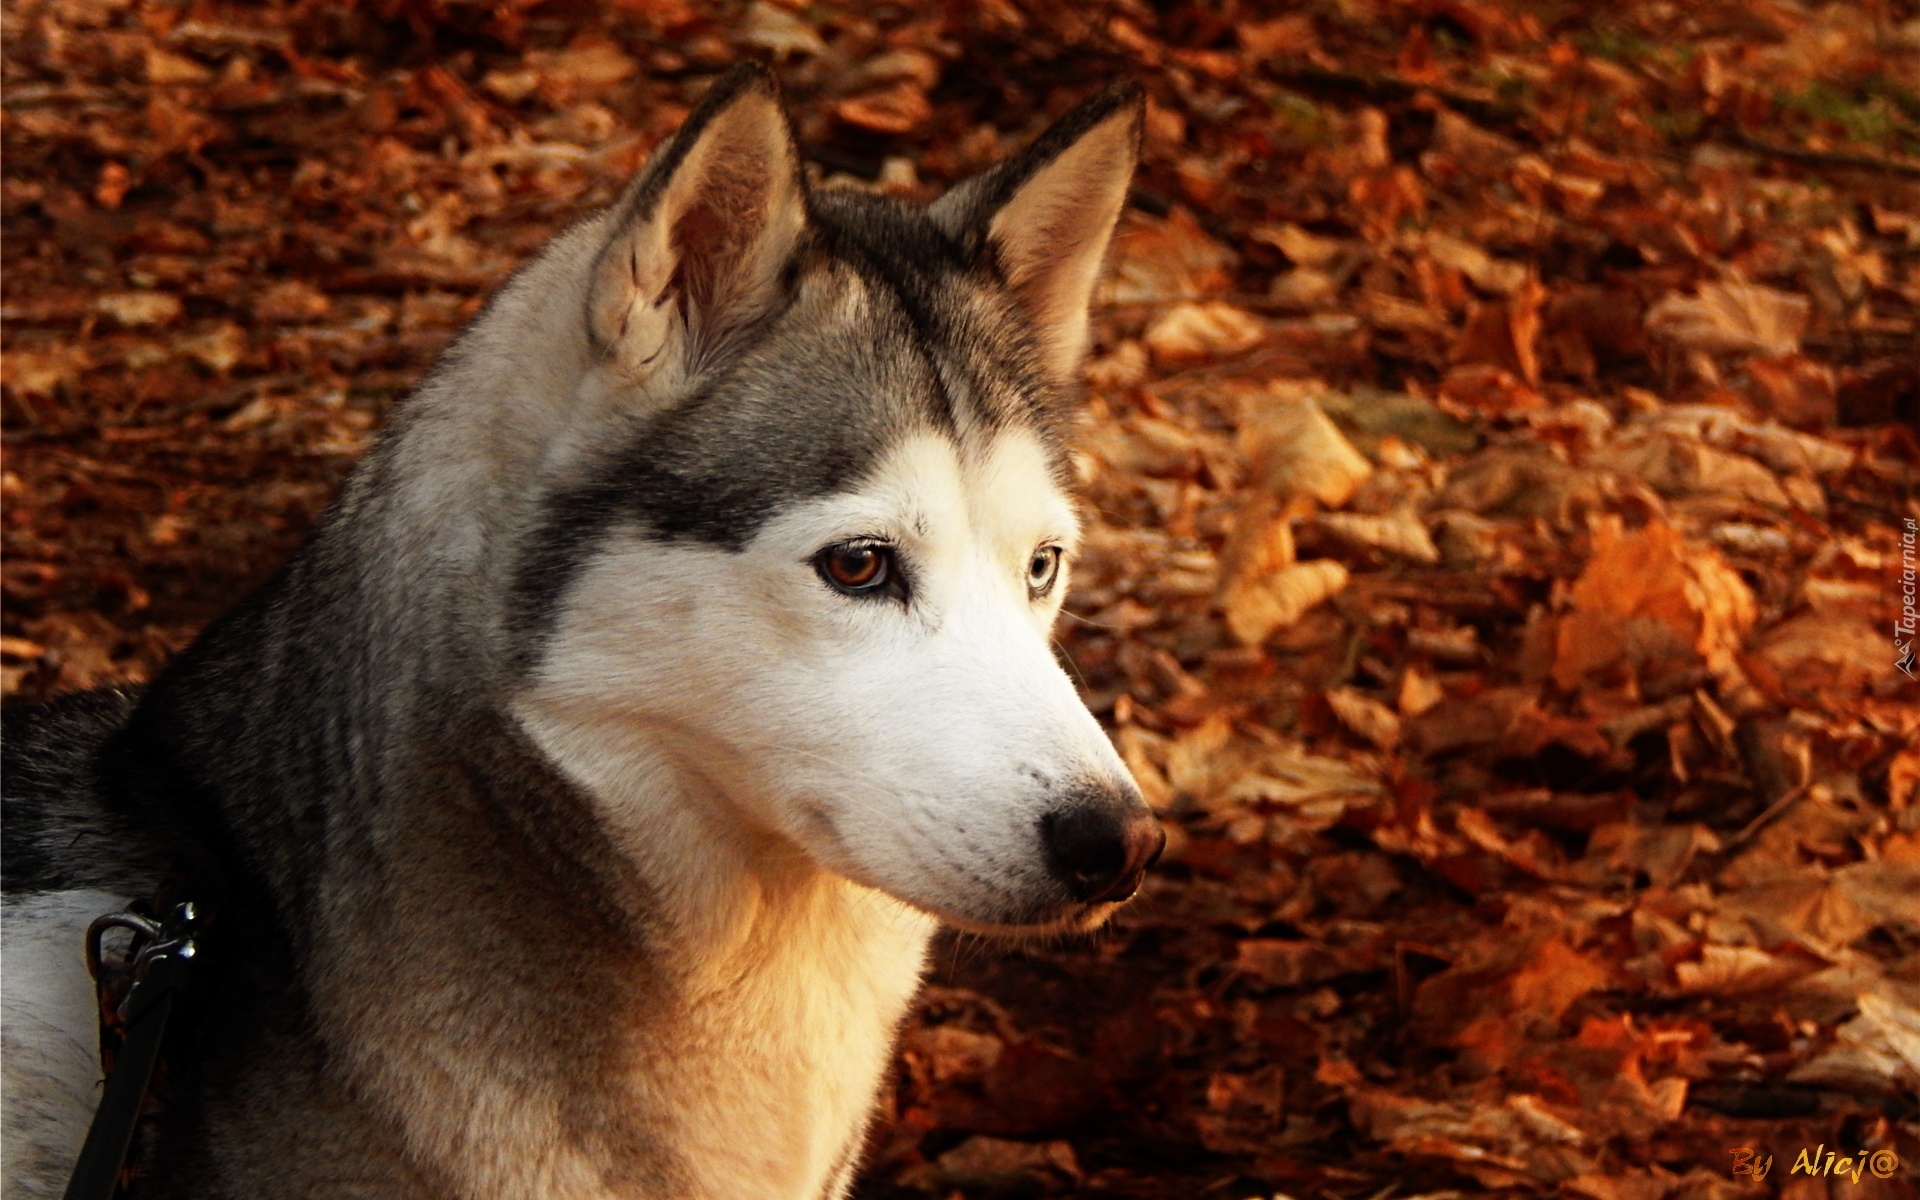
[1043,218]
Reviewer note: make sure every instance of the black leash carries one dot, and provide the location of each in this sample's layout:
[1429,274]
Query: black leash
[153,971]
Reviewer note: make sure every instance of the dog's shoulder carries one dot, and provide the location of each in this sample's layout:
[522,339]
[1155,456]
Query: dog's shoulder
[58,832]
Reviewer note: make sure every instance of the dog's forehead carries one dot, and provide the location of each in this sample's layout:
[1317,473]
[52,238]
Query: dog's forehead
[996,489]
[887,338]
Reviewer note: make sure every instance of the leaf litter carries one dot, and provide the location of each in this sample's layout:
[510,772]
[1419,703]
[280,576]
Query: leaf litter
[1501,436]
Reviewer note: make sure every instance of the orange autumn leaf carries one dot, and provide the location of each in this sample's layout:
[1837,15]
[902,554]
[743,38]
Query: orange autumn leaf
[1646,594]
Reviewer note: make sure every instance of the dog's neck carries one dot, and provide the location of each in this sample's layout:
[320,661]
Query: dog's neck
[729,1005]
[728,890]
[788,982]
[601,974]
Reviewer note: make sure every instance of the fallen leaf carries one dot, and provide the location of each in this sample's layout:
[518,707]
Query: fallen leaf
[1499,276]
[1877,1051]
[1645,597]
[1504,333]
[42,372]
[1255,606]
[897,109]
[1365,716]
[169,69]
[139,310]
[1165,260]
[778,32]
[1295,450]
[1731,318]
[1191,333]
[291,301]
[1399,533]
[1303,249]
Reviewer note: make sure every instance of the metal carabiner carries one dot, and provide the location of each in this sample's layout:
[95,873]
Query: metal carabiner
[145,931]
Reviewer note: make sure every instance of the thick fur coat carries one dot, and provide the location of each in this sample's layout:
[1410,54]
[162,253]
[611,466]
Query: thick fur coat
[572,812]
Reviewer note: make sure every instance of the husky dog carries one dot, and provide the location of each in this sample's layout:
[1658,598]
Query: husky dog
[571,814]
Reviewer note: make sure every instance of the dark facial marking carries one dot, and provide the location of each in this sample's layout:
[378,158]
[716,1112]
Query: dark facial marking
[804,410]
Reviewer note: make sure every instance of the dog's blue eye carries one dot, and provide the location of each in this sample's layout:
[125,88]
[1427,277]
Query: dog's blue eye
[1042,569]
[860,568]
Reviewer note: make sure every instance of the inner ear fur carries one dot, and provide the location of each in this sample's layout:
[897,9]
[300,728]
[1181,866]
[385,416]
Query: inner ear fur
[1044,218]
[702,238]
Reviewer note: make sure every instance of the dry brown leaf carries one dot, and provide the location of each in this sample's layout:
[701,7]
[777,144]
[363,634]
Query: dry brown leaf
[1316,789]
[1259,545]
[988,1162]
[953,1053]
[1280,37]
[1400,533]
[1191,333]
[1739,970]
[1418,693]
[1144,753]
[1256,606]
[1500,276]
[1553,977]
[897,109]
[1879,1050]
[42,372]
[218,349]
[1164,261]
[1384,310]
[1782,449]
[901,64]
[1731,318]
[1280,963]
[1801,906]
[1365,716]
[1674,466]
[1505,333]
[139,310]
[1462,1131]
[1796,389]
[1295,449]
[1827,654]
[1490,390]
[1302,289]
[168,69]
[1468,146]
[1649,601]
[291,301]
[1143,445]
[777,31]
[1303,249]
[1661,853]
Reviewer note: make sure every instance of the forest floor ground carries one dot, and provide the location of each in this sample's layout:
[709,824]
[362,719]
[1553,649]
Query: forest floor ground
[1501,486]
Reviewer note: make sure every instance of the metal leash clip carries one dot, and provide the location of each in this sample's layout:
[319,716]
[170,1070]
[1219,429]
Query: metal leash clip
[153,942]
[138,993]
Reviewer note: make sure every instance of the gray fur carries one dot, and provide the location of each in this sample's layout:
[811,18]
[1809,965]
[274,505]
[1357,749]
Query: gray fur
[392,871]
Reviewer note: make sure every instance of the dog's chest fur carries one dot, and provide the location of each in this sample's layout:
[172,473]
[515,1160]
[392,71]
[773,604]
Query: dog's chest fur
[785,1035]
[756,1068]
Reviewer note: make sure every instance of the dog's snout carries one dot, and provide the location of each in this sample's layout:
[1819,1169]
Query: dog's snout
[1101,850]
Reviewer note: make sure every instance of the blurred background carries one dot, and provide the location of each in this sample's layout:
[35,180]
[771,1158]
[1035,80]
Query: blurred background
[1501,477]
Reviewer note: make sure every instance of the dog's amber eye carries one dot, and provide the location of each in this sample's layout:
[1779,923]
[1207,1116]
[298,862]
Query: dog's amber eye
[856,566]
[1042,569]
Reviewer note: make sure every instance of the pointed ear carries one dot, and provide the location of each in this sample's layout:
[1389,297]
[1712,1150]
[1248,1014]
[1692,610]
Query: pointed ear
[701,240]
[1043,219]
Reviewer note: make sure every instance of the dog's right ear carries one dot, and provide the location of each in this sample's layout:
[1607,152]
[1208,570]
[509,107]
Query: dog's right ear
[1043,218]
[702,238]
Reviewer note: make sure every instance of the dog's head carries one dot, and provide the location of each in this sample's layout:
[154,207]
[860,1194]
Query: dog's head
[812,545]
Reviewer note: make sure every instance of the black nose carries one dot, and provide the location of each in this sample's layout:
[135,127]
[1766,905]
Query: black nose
[1100,850]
